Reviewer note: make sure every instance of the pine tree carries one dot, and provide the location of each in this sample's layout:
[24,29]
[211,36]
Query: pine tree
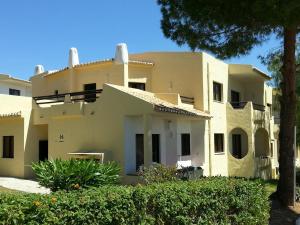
[232,28]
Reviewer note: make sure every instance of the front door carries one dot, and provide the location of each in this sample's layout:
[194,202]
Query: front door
[43,150]
[90,97]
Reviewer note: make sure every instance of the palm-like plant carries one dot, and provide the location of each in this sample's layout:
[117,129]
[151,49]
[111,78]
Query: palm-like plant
[73,174]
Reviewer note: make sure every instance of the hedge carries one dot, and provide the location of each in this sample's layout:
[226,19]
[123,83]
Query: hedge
[205,201]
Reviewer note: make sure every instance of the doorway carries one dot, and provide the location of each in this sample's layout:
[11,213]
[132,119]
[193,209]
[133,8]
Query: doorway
[155,148]
[139,147]
[237,146]
[43,150]
[90,97]
[235,99]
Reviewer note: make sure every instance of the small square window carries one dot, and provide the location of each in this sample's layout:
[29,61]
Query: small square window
[8,146]
[14,92]
[217,91]
[219,143]
[136,85]
[185,144]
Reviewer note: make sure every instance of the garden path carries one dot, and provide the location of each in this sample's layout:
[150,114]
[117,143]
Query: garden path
[284,215]
[18,184]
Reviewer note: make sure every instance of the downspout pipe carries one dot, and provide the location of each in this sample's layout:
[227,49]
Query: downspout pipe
[209,121]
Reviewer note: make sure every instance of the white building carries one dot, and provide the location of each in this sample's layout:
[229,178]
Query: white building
[14,86]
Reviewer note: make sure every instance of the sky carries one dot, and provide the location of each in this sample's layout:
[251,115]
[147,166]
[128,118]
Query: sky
[42,32]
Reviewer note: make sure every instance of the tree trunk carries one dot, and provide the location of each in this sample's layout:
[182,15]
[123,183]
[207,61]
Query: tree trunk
[287,120]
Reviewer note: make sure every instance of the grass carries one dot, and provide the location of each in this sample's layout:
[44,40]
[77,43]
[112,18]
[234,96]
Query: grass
[6,190]
[270,186]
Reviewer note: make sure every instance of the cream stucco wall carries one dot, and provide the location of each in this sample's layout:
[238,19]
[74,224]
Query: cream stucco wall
[14,126]
[216,71]
[176,72]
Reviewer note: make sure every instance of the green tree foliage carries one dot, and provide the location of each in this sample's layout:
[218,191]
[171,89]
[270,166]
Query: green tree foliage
[226,28]
[232,28]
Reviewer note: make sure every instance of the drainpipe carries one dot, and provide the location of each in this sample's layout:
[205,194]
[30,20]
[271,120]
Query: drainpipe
[209,121]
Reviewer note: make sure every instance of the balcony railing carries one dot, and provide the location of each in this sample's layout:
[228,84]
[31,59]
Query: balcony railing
[187,100]
[241,105]
[263,167]
[87,96]
[276,119]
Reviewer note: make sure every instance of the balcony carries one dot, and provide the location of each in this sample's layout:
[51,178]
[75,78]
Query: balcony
[241,105]
[187,100]
[87,96]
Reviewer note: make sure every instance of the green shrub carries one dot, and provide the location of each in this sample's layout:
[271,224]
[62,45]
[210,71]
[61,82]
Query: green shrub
[74,174]
[158,173]
[205,201]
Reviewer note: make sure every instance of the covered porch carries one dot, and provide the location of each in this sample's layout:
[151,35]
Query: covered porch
[172,140]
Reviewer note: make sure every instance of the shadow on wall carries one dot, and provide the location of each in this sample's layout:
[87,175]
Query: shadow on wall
[34,135]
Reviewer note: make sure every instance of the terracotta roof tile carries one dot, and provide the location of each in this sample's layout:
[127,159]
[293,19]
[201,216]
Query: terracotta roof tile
[15,114]
[162,105]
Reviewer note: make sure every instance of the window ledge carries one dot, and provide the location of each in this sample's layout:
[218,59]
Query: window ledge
[221,102]
[184,155]
[219,153]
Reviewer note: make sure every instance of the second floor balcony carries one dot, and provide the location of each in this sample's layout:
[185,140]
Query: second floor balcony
[247,114]
[241,105]
[57,99]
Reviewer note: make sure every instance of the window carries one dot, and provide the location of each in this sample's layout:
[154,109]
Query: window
[219,143]
[185,144]
[155,148]
[217,92]
[139,148]
[270,109]
[136,85]
[272,150]
[91,97]
[14,92]
[8,146]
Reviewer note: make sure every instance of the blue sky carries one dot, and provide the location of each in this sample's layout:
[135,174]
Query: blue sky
[42,31]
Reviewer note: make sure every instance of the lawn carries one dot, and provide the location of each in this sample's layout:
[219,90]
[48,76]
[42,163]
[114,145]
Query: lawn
[270,186]
[6,190]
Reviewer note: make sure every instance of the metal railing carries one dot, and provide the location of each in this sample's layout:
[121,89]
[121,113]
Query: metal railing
[276,119]
[241,105]
[88,96]
[187,100]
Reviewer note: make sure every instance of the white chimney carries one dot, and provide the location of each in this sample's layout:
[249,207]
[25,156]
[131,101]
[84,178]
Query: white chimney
[73,57]
[38,69]
[121,56]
